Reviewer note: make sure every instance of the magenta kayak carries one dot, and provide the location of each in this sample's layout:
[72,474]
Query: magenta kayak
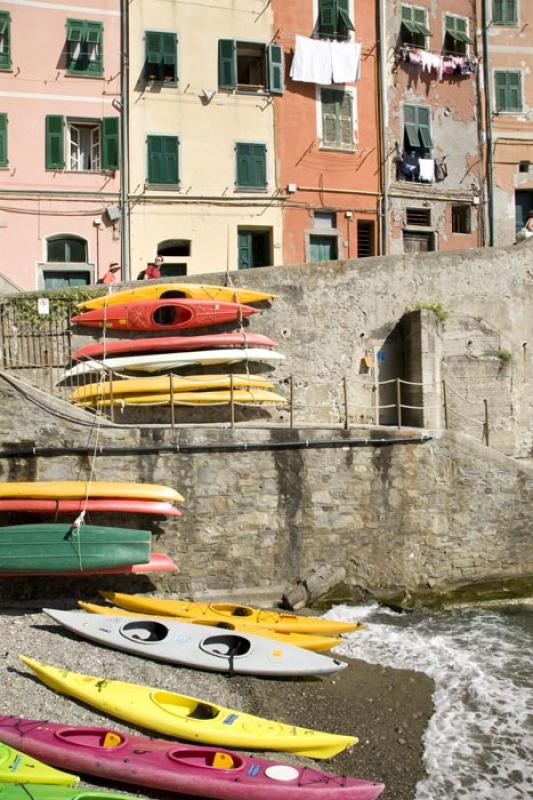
[32,506]
[172,344]
[187,769]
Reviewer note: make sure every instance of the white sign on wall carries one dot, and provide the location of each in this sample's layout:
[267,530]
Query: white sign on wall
[43,305]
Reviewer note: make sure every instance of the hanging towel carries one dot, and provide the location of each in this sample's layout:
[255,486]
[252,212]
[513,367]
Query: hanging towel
[312,61]
[427,170]
[345,61]
[430,61]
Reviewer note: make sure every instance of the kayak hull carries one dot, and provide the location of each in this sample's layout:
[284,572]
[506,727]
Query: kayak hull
[186,717]
[75,506]
[59,547]
[22,767]
[75,490]
[217,398]
[193,291]
[197,646]
[172,344]
[307,641]
[163,315]
[159,562]
[275,620]
[168,766]
[161,385]
[29,791]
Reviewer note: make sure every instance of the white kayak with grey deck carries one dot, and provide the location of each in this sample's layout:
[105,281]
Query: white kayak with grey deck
[199,646]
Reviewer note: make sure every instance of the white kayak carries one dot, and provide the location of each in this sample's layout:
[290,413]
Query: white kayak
[198,646]
[158,362]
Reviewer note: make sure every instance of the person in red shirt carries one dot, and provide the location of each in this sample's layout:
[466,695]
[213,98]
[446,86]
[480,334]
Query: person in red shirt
[111,276]
[153,270]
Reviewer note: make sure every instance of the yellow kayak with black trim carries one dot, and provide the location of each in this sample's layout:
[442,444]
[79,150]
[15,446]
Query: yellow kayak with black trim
[75,490]
[192,291]
[241,397]
[188,717]
[307,641]
[161,385]
[275,620]
[17,767]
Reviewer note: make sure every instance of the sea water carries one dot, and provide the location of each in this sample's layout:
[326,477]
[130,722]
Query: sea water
[479,741]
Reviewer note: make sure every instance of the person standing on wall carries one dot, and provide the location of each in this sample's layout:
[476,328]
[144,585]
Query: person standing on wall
[153,270]
[111,276]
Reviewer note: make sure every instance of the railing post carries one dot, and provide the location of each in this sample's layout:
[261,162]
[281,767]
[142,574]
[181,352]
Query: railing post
[232,401]
[172,413]
[345,393]
[111,400]
[291,402]
[399,402]
[445,404]
[486,425]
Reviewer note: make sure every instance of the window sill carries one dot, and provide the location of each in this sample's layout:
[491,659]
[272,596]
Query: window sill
[163,187]
[328,148]
[69,74]
[508,112]
[7,69]
[158,84]
[252,189]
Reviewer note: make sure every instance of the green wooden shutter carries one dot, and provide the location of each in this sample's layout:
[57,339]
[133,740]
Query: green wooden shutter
[508,90]
[93,39]
[155,159]
[110,146]
[5,35]
[500,80]
[330,120]
[170,159]
[3,140]
[55,142]
[259,166]
[504,12]
[515,91]
[244,164]
[169,55]
[420,19]
[276,71]
[346,120]
[327,17]
[344,23]
[153,70]
[74,30]
[411,130]
[422,117]
[227,64]
[245,249]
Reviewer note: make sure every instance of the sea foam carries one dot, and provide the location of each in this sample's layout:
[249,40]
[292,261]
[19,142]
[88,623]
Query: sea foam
[479,741]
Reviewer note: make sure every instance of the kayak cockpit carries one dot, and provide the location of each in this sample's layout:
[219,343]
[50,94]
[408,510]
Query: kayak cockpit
[185,707]
[168,315]
[226,645]
[206,759]
[231,610]
[144,631]
[96,738]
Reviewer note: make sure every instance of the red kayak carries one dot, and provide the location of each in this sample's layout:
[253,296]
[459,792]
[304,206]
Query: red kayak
[161,315]
[172,767]
[173,344]
[159,562]
[92,504]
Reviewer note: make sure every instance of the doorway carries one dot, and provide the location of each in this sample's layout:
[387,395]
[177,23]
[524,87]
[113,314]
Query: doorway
[523,204]
[255,248]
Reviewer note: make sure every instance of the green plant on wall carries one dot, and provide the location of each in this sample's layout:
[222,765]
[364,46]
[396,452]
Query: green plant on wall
[441,312]
[505,356]
[22,310]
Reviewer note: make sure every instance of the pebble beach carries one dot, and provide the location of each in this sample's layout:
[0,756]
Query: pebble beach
[387,709]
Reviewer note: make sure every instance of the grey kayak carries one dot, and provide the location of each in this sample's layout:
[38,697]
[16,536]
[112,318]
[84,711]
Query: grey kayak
[198,646]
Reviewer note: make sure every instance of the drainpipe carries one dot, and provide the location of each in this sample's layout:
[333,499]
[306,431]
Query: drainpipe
[383,116]
[124,144]
[488,119]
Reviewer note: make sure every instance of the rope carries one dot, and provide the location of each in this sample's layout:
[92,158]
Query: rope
[463,416]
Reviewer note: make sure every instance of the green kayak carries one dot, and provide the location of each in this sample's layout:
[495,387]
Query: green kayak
[17,767]
[34,791]
[63,548]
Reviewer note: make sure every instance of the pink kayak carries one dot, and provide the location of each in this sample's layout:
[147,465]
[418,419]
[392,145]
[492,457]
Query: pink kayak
[159,562]
[32,506]
[172,344]
[172,767]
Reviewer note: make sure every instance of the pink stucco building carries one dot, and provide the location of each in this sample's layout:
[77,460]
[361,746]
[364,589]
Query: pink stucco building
[59,141]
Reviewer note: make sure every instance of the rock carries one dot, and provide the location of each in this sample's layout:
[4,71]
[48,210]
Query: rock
[315,585]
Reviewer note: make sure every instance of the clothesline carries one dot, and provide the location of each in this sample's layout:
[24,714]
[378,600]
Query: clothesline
[441,64]
[325,62]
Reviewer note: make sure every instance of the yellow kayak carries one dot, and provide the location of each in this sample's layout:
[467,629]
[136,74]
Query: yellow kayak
[217,398]
[192,291]
[17,767]
[275,620]
[188,717]
[161,385]
[74,490]
[307,641]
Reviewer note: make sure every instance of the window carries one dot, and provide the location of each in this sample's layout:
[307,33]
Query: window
[337,119]
[508,90]
[415,242]
[417,133]
[365,239]
[5,40]
[323,248]
[334,19]
[84,47]
[414,28]
[524,166]
[325,219]
[456,39]
[254,248]
[250,67]
[161,57]
[461,219]
[174,247]
[163,165]
[66,249]
[523,205]
[90,145]
[3,140]
[250,166]
[504,12]
[418,217]
[56,279]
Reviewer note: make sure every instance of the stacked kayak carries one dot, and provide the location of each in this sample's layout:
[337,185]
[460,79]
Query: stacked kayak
[19,767]
[163,291]
[197,646]
[171,767]
[221,612]
[307,641]
[79,490]
[23,791]
[188,717]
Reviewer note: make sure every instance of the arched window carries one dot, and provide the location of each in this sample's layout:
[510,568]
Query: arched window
[171,250]
[66,250]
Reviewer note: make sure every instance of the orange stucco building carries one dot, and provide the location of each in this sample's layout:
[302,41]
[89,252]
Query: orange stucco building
[327,133]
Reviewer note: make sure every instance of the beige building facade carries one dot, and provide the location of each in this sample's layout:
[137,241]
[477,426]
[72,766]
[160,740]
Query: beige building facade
[202,185]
